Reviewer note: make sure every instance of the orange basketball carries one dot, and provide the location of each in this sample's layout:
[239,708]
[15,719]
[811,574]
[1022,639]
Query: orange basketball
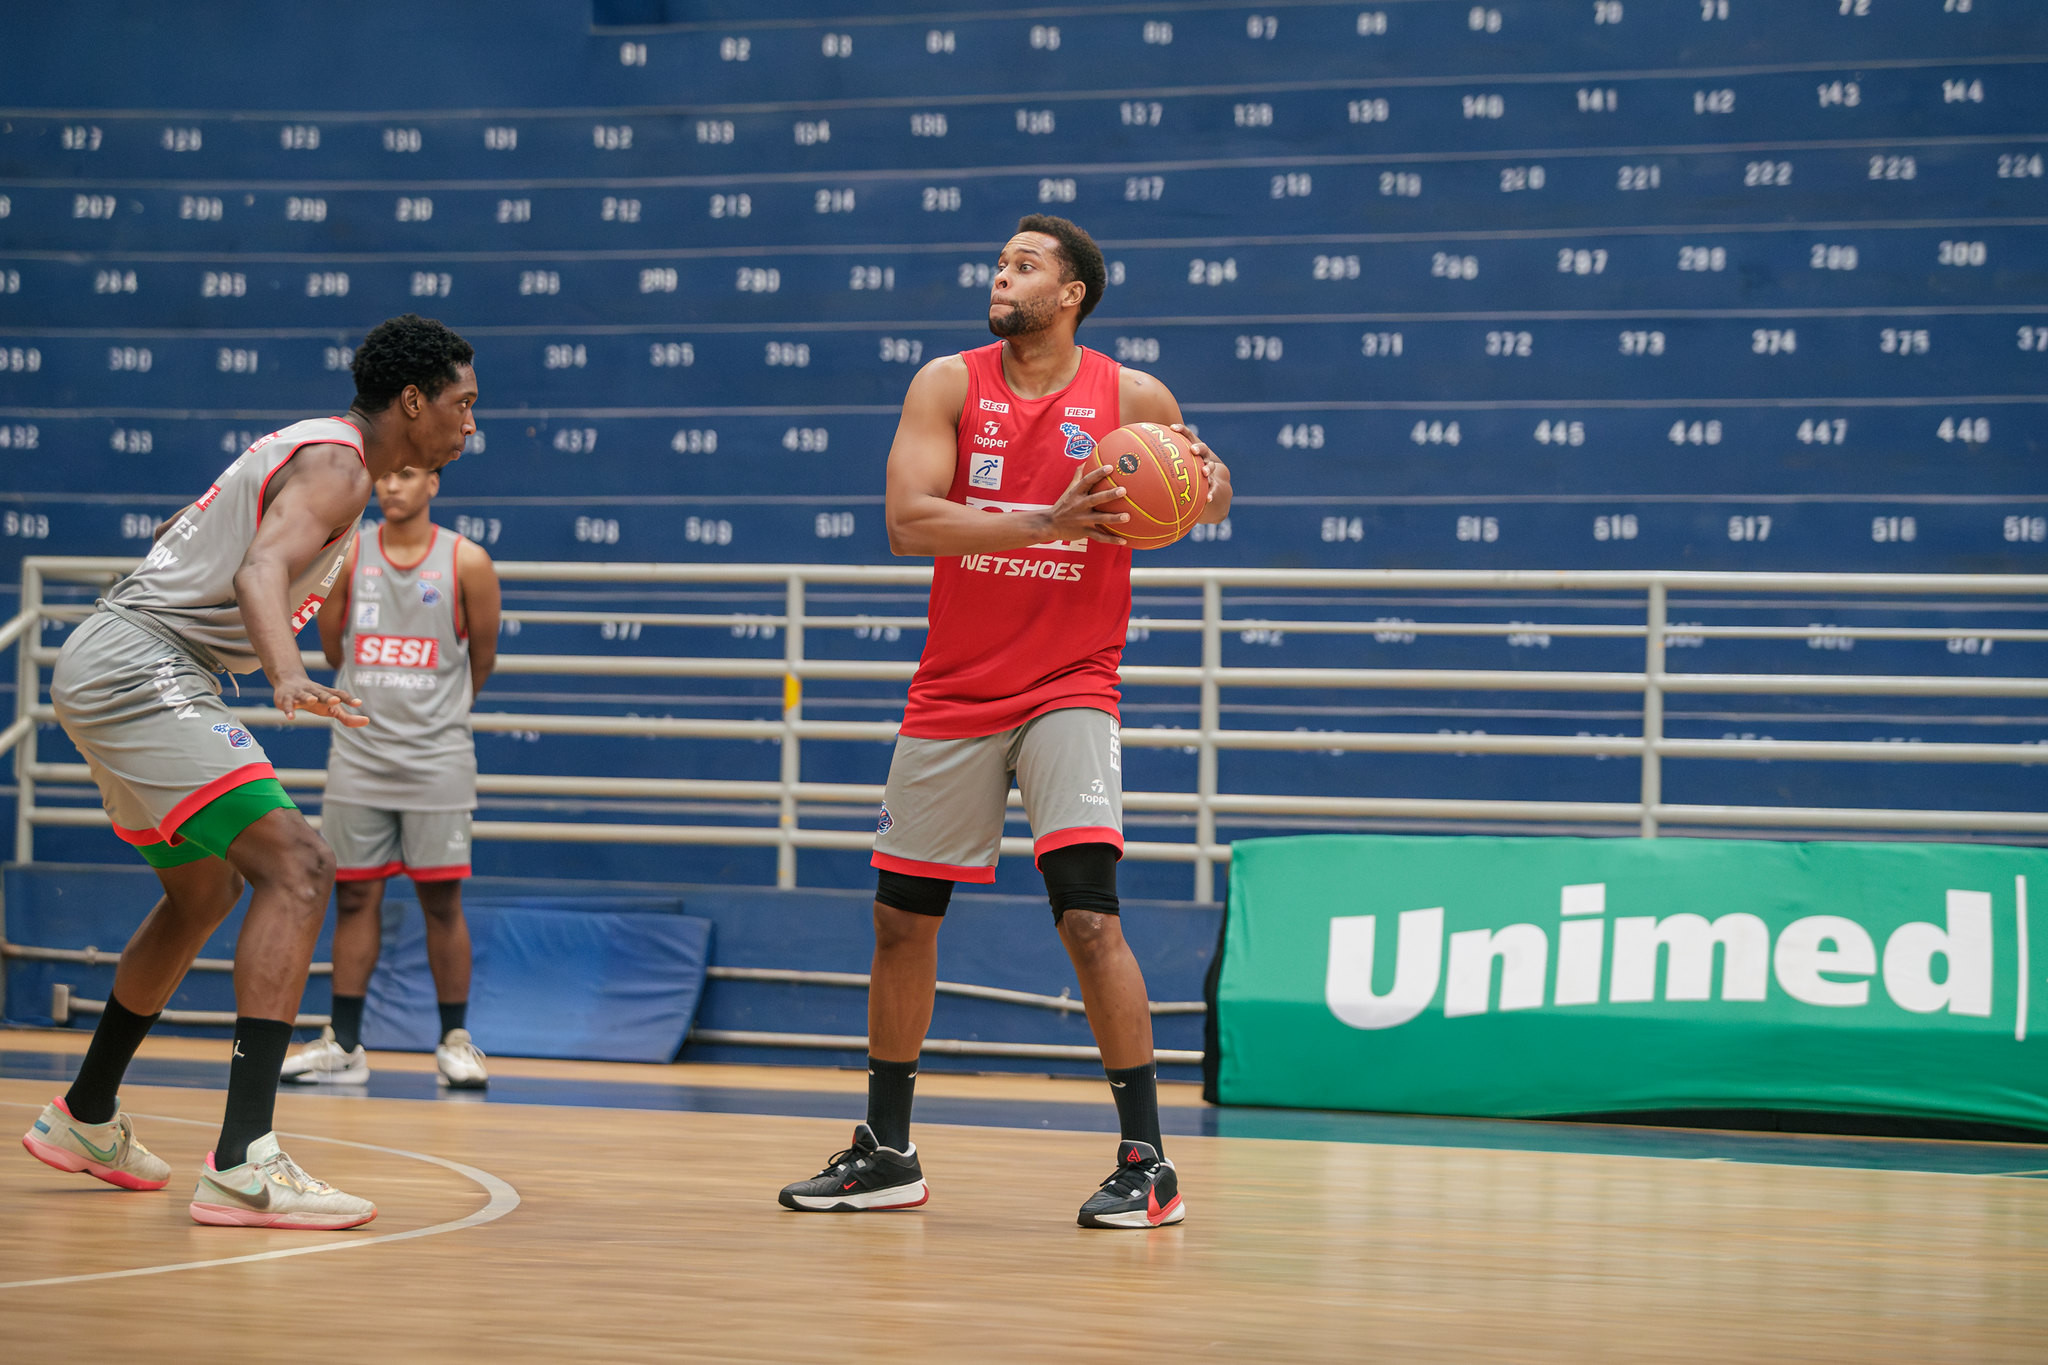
[1165,488]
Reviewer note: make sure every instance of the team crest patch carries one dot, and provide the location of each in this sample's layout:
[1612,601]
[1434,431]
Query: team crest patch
[236,736]
[430,596]
[1080,445]
[882,825]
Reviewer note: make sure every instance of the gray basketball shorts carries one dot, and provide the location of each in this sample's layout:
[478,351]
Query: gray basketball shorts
[149,721]
[371,844]
[942,812]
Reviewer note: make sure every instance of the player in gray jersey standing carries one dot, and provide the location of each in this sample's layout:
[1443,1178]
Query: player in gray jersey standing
[231,581]
[413,627]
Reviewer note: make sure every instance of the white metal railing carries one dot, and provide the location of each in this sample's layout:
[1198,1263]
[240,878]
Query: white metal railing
[790,794]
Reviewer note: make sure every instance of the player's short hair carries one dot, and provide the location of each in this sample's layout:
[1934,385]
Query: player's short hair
[407,350]
[1083,259]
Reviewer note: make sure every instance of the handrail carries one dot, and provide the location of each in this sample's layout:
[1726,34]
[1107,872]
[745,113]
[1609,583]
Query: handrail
[792,602]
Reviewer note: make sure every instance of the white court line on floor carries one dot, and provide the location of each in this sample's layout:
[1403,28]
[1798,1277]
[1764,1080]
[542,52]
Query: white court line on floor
[503,1199]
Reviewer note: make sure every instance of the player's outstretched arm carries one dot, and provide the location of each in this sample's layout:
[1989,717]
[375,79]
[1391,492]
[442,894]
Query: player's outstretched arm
[333,618]
[481,607]
[923,521]
[1145,399]
[325,491]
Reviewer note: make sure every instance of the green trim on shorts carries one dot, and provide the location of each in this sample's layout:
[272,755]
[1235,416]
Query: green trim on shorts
[221,821]
[171,855]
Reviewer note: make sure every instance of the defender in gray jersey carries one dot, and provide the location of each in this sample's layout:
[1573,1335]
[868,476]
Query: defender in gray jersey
[413,627]
[231,580]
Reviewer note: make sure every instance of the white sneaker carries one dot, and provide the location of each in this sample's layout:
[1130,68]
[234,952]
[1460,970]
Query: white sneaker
[461,1062]
[325,1063]
[270,1191]
[109,1151]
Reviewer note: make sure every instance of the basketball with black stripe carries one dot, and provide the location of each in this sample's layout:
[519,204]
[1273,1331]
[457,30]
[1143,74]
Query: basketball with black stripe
[1165,486]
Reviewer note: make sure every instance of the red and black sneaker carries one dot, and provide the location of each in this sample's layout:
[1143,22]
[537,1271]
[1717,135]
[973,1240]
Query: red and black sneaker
[865,1178]
[1142,1192]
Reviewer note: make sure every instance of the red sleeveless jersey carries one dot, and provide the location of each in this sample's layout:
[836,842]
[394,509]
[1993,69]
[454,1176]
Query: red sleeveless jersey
[1023,632]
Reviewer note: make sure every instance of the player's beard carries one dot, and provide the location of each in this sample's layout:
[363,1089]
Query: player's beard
[1024,316]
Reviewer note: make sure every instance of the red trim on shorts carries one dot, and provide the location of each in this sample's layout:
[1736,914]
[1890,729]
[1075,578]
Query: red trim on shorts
[198,801]
[137,837]
[436,874]
[1078,834]
[368,874]
[951,872]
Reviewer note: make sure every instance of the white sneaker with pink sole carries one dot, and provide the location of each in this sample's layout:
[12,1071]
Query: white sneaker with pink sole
[270,1191]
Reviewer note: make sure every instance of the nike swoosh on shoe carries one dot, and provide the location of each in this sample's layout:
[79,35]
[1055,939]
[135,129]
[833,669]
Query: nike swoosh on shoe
[258,1198]
[104,1156]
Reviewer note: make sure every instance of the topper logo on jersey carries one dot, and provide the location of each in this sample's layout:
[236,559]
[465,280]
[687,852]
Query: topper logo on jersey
[398,651]
[988,440]
[1080,445]
[236,736]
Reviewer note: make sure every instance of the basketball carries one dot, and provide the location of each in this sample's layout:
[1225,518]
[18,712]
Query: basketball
[1165,488]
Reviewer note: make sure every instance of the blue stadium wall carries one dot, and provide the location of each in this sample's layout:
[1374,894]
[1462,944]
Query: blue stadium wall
[1584,283]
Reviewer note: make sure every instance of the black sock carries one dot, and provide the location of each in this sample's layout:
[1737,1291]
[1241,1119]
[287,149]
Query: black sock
[454,1015]
[348,1021]
[260,1046]
[890,1087]
[95,1094]
[1136,1090]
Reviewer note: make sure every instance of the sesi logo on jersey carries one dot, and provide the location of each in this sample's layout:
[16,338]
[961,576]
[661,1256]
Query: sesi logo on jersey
[398,651]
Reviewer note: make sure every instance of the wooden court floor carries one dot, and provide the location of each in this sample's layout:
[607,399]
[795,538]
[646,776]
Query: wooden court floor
[532,1232]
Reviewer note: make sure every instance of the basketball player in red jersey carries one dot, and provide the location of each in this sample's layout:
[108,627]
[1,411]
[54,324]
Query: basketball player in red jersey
[1031,596]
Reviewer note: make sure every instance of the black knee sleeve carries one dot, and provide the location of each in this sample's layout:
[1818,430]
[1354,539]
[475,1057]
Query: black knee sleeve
[1080,877]
[916,895]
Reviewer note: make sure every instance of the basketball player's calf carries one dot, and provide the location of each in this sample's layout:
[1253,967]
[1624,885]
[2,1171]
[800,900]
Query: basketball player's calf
[880,1171]
[1144,1189]
[85,1130]
[247,1180]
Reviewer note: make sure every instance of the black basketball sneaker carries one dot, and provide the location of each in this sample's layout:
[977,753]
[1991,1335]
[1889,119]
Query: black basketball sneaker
[1142,1192]
[865,1178]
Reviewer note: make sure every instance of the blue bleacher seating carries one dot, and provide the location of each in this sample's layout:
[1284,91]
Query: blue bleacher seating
[1608,283]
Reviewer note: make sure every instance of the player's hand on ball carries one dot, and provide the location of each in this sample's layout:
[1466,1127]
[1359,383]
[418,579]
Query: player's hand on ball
[1078,512]
[1217,472]
[303,694]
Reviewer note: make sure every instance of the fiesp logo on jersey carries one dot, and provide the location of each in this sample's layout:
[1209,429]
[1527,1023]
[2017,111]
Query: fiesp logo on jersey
[398,651]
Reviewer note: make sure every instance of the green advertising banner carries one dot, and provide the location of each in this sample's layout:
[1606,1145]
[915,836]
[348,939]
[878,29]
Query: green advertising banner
[1530,977]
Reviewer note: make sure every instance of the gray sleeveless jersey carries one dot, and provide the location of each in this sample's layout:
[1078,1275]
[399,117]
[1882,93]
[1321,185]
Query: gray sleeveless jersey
[187,582]
[403,654]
